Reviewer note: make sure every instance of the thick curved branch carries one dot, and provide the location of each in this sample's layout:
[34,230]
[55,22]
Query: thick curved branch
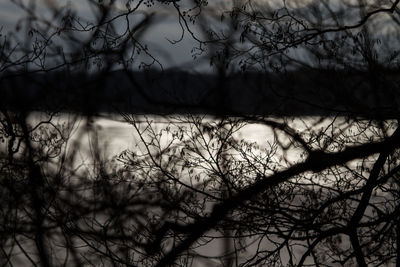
[317,161]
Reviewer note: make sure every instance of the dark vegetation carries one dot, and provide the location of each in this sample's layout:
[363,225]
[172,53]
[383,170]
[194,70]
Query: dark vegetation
[197,190]
[295,93]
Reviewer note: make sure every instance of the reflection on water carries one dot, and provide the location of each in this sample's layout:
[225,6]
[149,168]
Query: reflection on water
[112,133]
[198,158]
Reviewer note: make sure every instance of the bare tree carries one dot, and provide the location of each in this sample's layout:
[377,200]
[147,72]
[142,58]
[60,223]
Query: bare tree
[197,189]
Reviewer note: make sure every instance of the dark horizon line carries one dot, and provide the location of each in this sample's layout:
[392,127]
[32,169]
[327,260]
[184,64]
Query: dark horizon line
[297,93]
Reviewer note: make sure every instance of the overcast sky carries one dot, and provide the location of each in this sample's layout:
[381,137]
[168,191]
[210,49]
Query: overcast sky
[158,37]
[166,26]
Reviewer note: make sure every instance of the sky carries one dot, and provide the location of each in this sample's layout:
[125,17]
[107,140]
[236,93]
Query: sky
[166,28]
[158,37]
